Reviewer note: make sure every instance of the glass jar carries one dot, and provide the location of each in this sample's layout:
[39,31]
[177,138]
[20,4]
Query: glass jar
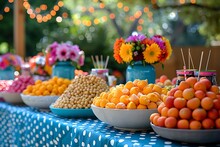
[209,74]
[183,74]
[102,73]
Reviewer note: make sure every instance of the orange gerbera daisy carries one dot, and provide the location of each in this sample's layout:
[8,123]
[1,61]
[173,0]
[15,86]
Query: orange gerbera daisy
[117,46]
[152,53]
[126,52]
[168,47]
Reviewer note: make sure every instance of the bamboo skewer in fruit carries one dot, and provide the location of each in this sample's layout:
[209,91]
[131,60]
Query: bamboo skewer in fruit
[207,63]
[190,56]
[100,64]
[200,64]
[184,63]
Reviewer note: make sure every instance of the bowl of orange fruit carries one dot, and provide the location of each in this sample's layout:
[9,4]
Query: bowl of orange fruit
[128,106]
[189,113]
[43,93]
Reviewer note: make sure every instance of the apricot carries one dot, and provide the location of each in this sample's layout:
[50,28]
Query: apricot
[157,88]
[183,85]
[110,105]
[207,103]
[208,123]
[146,90]
[161,121]
[185,113]
[153,115]
[211,94]
[164,111]
[191,81]
[155,120]
[140,106]
[217,123]
[134,98]
[206,82]
[216,103]
[213,114]
[131,105]
[173,112]
[183,124]
[178,93]
[200,86]
[120,105]
[215,89]
[170,122]
[188,93]
[163,78]
[169,102]
[129,85]
[134,90]
[152,105]
[199,114]
[179,102]
[195,125]
[172,91]
[142,83]
[193,103]
[160,107]
[200,94]
[124,99]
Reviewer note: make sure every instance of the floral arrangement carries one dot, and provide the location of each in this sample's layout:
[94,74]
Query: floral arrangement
[138,47]
[38,65]
[9,59]
[64,52]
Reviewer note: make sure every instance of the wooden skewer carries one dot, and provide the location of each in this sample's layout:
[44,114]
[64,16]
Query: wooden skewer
[102,64]
[191,60]
[93,61]
[184,63]
[207,63]
[97,61]
[106,62]
[200,64]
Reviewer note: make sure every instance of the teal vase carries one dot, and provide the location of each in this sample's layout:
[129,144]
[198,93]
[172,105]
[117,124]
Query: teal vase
[7,73]
[64,69]
[140,71]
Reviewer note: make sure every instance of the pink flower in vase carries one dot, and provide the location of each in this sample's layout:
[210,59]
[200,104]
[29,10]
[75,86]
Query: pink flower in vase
[62,52]
[74,52]
[81,58]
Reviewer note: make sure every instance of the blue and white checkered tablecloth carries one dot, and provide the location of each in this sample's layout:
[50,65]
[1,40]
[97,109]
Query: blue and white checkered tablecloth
[24,126]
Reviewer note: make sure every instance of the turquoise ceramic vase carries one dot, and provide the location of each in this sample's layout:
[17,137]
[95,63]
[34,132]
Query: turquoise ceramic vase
[140,71]
[7,73]
[64,69]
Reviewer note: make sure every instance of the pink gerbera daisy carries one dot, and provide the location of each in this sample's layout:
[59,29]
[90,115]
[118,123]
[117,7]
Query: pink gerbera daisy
[62,52]
[74,53]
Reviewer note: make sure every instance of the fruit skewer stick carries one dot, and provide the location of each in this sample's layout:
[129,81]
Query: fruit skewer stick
[184,63]
[93,61]
[106,62]
[97,61]
[191,59]
[102,63]
[200,64]
[188,59]
[207,63]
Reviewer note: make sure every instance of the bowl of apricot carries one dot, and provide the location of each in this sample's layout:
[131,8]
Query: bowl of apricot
[125,119]
[129,106]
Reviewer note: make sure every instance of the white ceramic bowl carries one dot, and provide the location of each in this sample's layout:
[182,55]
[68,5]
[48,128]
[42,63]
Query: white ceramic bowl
[12,98]
[188,136]
[42,102]
[138,119]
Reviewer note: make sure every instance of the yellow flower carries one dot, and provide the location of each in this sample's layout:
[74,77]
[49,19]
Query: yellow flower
[168,47]
[126,52]
[151,53]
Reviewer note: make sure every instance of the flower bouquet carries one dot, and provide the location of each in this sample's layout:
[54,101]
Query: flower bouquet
[9,63]
[64,57]
[142,50]
[38,67]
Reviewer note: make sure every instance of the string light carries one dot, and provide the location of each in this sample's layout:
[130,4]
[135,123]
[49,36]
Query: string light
[182,1]
[126,8]
[120,5]
[6,9]
[36,12]
[1,17]
[193,1]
